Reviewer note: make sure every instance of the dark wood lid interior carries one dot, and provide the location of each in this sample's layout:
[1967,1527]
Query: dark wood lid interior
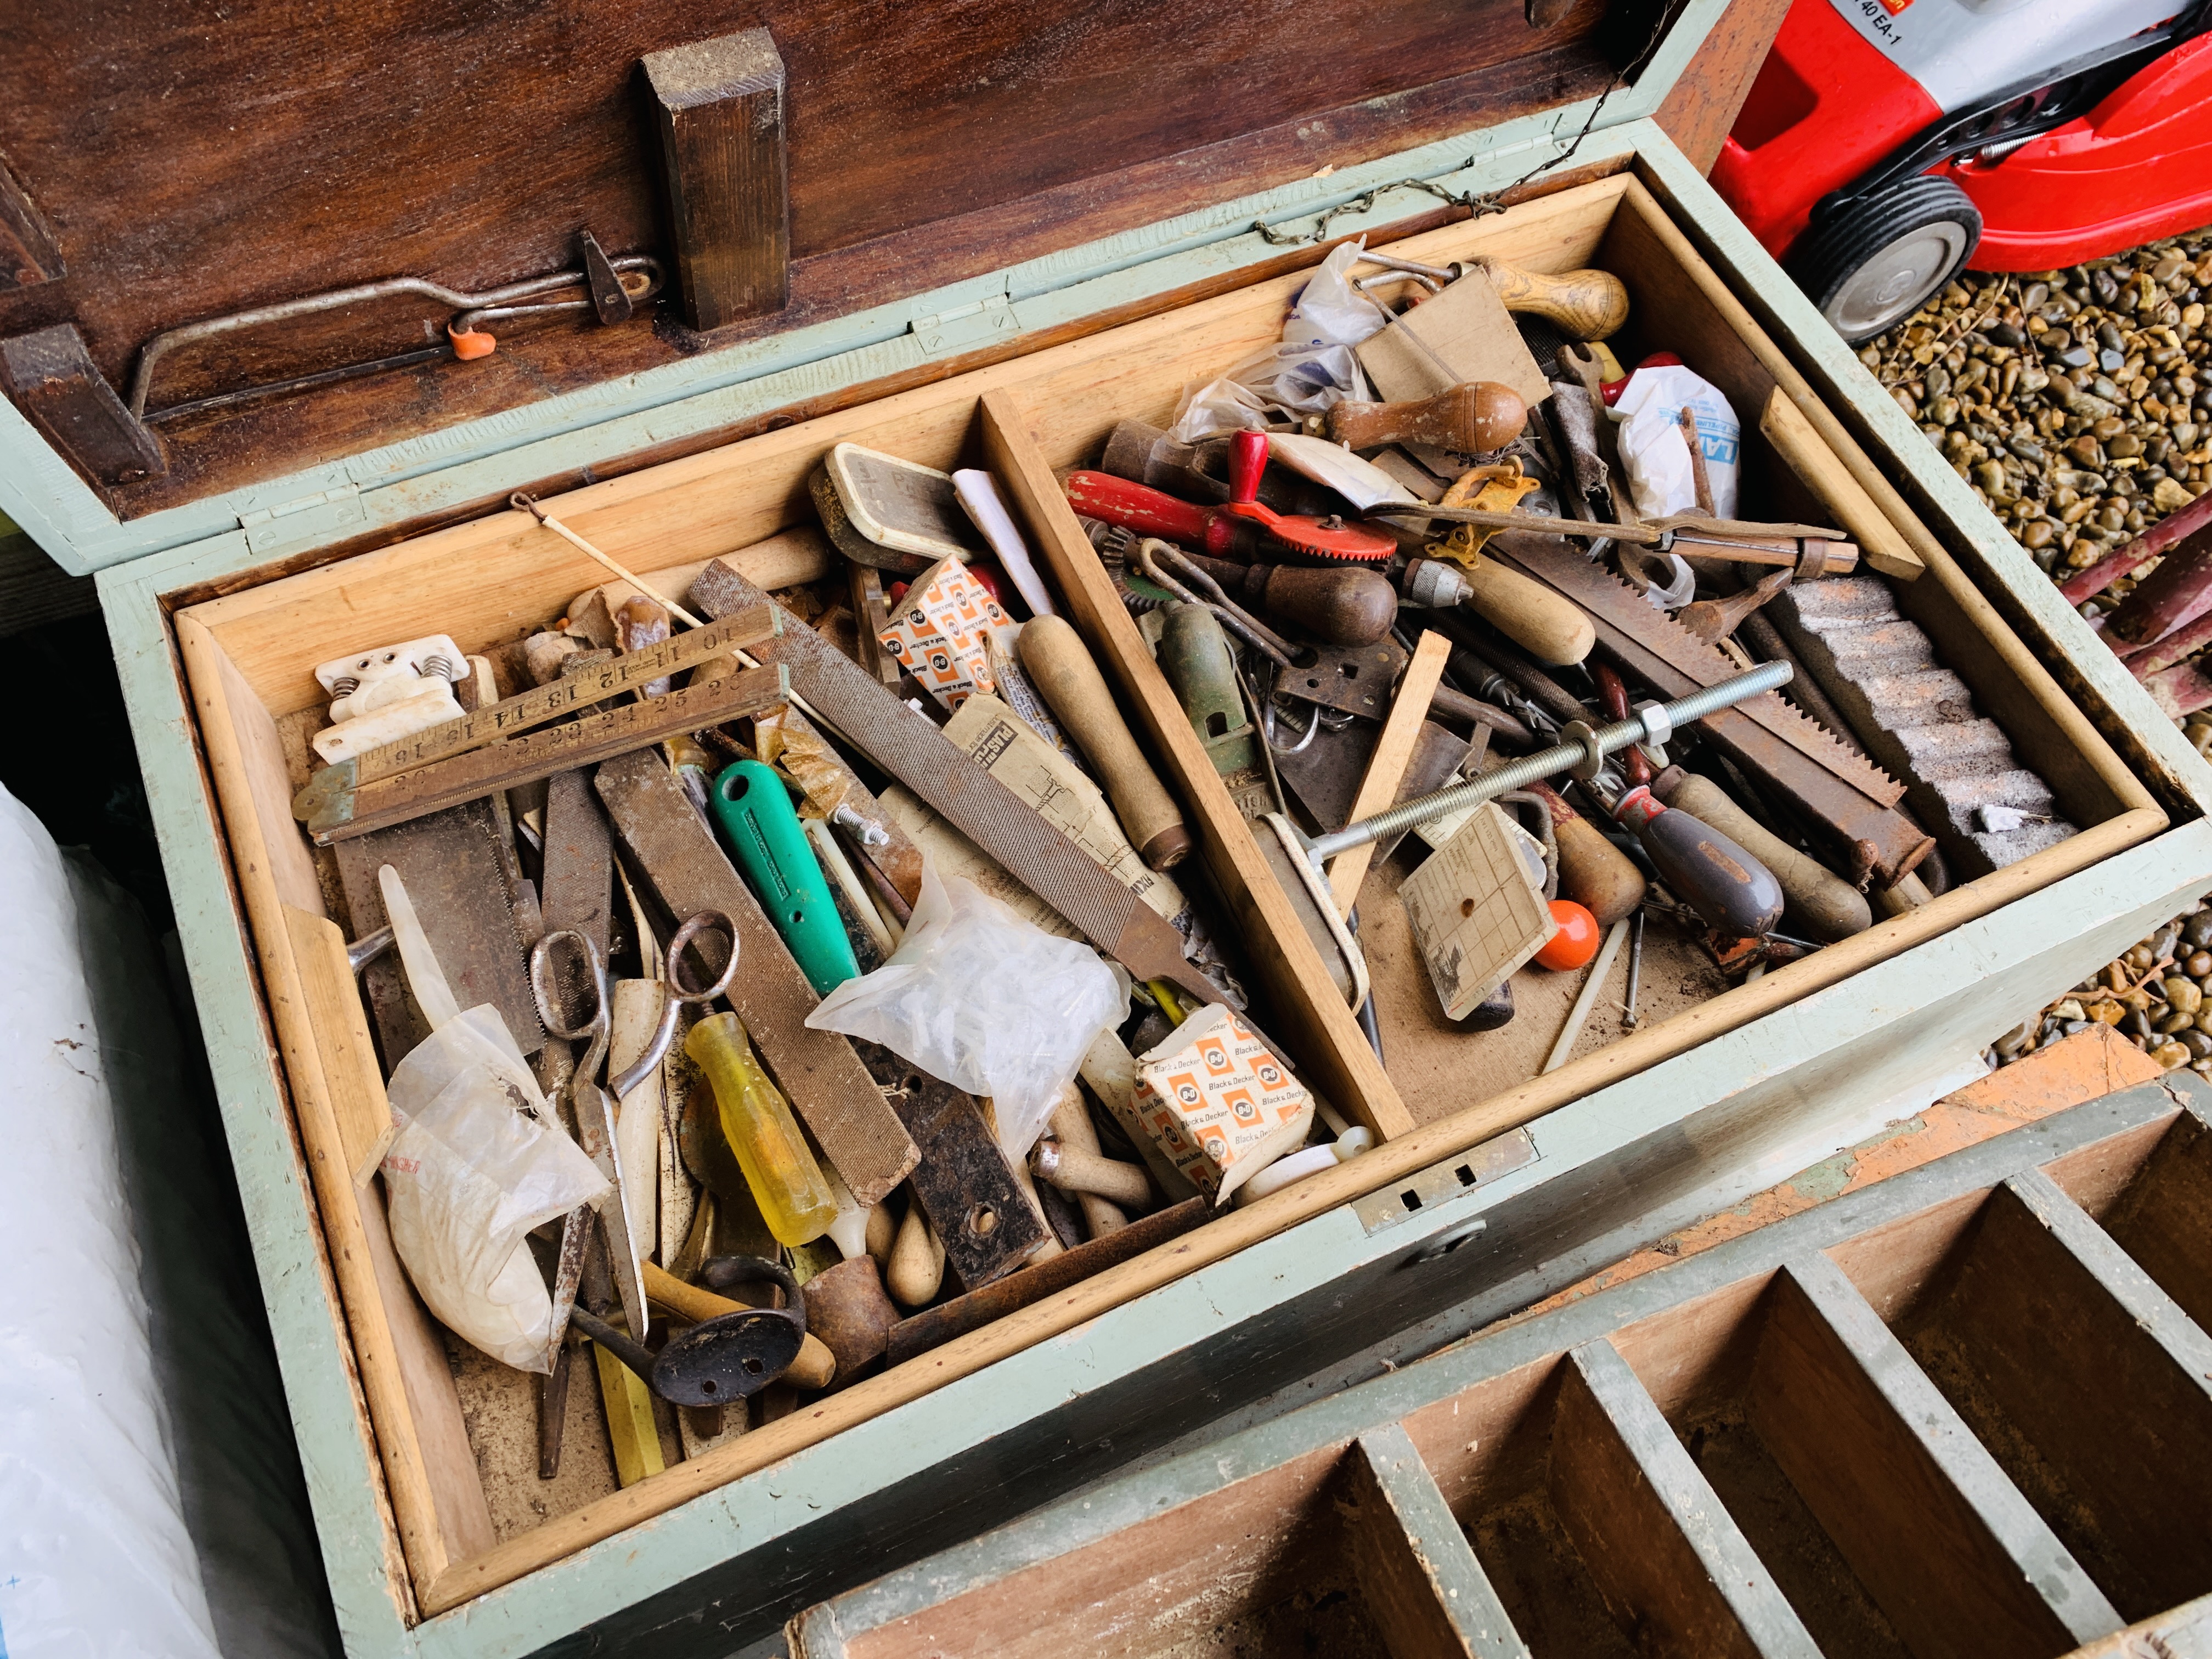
[181,161]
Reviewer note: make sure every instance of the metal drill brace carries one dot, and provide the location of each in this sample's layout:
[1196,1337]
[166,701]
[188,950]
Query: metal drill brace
[613,288]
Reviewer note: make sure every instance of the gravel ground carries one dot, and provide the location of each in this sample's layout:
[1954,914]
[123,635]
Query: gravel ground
[2078,404]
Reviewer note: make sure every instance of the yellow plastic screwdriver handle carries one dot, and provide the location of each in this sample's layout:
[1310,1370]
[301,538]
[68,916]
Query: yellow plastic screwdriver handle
[794,1196]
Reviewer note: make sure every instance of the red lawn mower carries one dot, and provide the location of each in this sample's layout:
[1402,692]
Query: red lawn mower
[1886,144]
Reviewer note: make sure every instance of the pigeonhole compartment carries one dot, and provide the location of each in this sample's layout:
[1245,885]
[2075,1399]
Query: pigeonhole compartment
[1748,1451]
[465,1520]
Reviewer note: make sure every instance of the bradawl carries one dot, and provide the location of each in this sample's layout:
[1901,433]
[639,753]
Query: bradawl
[912,750]
[1919,718]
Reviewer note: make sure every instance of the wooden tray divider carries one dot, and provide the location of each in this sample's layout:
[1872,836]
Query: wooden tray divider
[2072,1347]
[1424,1587]
[2163,1217]
[1676,1573]
[1951,1554]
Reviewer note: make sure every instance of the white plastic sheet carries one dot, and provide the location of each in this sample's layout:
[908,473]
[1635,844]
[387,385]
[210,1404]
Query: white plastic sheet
[1655,455]
[96,1558]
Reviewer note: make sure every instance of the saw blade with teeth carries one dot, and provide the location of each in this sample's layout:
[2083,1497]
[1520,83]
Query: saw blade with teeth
[1568,571]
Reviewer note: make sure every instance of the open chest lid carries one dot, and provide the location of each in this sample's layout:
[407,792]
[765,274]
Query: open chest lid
[868,192]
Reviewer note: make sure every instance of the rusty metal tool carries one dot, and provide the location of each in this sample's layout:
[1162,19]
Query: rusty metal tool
[1852,800]
[963,1182]
[668,845]
[1806,549]
[613,288]
[592,1108]
[918,755]
[333,810]
[449,861]
[1714,620]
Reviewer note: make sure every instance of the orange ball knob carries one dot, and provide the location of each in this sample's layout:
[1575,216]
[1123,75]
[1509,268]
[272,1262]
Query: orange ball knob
[1575,942]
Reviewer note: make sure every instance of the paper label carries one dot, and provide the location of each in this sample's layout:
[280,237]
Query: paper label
[1006,747]
[938,634]
[1218,1102]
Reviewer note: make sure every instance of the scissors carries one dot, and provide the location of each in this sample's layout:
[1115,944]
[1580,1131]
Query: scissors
[593,1109]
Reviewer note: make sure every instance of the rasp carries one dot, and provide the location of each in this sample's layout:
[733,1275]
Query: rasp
[909,747]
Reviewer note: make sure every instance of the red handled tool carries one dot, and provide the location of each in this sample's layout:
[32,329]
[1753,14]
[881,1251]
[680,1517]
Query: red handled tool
[1242,528]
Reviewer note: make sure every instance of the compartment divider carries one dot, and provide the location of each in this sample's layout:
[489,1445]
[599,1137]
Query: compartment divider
[1677,1575]
[1956,1559]
[2101,1372]
[2164,1218]
[1424,1589]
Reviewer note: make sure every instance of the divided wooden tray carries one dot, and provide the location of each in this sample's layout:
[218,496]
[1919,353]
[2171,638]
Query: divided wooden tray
[1967,1411]
[247,654]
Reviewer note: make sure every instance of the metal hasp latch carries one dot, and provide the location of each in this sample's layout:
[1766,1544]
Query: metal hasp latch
[1410,1200]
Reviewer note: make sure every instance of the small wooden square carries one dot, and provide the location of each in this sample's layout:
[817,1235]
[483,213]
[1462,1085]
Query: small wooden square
[1475,915]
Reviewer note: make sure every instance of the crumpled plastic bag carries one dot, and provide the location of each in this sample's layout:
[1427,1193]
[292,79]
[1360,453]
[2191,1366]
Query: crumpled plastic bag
[1314,368]
[985,1001]
[1654,454]
[479,1160]
[1218,407]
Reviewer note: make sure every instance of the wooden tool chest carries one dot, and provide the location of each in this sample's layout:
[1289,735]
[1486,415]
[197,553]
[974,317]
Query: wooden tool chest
[216,637]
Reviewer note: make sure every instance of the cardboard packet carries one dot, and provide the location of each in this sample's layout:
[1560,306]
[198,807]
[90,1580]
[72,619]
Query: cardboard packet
[938,632]
[1218,1102]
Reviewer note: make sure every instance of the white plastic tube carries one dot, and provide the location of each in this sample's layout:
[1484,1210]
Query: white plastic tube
[978,491]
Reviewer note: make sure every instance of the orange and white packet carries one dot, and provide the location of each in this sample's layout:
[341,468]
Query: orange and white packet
[1218,1102]
[939,629]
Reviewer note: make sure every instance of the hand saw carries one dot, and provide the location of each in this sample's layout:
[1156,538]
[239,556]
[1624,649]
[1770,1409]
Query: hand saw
[333,807]
[1841,789]
[912,750]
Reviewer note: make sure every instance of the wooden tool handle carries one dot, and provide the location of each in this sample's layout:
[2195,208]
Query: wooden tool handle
[1554,628]
[1065,674]
[1826,905]
[1590,305]
[1074,1170]
[1593,872]
[1470,419]
[813,1369]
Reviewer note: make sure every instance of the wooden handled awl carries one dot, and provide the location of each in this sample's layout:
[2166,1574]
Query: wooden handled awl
[1590,305]
[1469,419]
[1348,606]
[1055,655]
[1551,628]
